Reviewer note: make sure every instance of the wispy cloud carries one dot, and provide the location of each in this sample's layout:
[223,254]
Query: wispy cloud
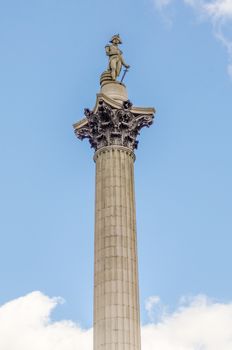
[197,324]
[219,9]
[150,303]
[161,4]
[163,7]
[218,12]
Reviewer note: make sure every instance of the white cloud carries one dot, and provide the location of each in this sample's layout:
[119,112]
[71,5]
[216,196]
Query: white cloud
[150,303]
[219,9]
[25,325]
[197,324]
[219,13]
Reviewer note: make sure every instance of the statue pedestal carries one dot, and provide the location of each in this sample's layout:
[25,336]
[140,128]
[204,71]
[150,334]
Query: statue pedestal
[115,90]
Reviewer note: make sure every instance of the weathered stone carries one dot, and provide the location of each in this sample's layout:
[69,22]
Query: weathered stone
[115,90]
[116,296]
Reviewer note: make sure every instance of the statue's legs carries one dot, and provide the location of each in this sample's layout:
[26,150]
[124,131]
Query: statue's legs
[115,67]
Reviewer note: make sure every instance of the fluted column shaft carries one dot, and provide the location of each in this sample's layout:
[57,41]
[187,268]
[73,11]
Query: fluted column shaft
[116,296]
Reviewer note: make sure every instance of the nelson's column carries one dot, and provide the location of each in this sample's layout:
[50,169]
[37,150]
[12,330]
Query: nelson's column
[112,128]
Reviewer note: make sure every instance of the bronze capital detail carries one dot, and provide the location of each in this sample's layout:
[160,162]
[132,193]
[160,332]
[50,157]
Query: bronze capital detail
[108,125]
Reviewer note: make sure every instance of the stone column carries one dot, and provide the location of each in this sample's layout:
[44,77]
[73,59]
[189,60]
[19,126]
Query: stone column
[116,300]
[112,129]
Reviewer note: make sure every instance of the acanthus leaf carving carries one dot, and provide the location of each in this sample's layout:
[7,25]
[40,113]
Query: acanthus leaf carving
[111,126]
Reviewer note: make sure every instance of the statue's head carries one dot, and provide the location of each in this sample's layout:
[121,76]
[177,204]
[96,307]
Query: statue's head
[116,39]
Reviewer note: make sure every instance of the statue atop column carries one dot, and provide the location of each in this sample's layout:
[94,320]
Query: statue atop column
[114,121]
[116,61]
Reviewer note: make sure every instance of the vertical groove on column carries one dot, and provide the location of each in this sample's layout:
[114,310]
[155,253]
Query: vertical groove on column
[136,266]
[125,229]
[130,264]
[132,261]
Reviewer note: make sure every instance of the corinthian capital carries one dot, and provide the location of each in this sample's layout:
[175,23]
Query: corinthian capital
[111,123]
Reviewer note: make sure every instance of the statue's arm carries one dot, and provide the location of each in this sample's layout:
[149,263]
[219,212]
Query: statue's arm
[107,48]
[124,63]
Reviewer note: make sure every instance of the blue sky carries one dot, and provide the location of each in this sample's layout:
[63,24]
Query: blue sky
[52,54]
